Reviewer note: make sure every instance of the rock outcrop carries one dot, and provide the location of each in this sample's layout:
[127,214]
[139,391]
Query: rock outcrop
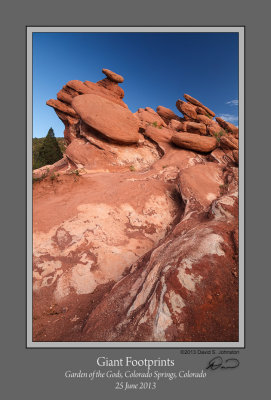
[103,115]
[135,230]
[113,76]
[194,142]
[166,114]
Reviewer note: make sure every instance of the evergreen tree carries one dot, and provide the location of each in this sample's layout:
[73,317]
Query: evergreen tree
[49,151]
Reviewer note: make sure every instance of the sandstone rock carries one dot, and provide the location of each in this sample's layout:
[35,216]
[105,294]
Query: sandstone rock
[183,125]
[94,153]
[62,95]
[67,118]
[198,103]
[93,88]
[203,119]
[213,128]
[194,142]
[105,93]
[113,76]
[137,238]
[107,222]
[236,156]
[108,118]
[58,105]
[221,157]
[201,111]
[158,135]
[79,86]
[187,109]
[71,126]
[229,142]
[70,91]
[112,86]
[228,126]
[66,94]
[150,110]
[201,184]
[176,125]
[168,288]
[166,114]
[195,127]
[49,169]
[146,118]
[229,157]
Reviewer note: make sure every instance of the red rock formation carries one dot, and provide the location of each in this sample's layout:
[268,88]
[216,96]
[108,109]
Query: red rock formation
[158,134]
[195,142]
[191,99]
[166,114]
[204,119]
[136,235]
[195,127]
[236,156]
[104,116]
[228,126]
[229,142]
[187,109]
[186,288]
[176,125]
[113,86]
[213,128]
[148,117]
[60,106]
[113,76]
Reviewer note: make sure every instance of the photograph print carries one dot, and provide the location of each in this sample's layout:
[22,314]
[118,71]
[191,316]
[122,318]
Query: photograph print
[137,218]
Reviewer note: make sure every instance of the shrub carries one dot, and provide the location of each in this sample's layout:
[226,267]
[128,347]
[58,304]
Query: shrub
[218,135]
[155,125]
[39,178]
[223,188]
[53,177]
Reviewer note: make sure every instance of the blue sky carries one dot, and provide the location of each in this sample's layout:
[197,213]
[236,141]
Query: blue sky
[158,68]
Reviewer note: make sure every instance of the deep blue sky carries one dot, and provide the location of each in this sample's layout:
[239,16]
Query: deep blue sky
[158,68]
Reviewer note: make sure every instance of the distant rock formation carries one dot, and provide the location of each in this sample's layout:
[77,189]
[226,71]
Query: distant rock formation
[135,230]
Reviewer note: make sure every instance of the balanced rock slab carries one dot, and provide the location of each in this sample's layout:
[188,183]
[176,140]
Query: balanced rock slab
[192,141]
[198,103]
[187,109]
[113,76]
[111,120]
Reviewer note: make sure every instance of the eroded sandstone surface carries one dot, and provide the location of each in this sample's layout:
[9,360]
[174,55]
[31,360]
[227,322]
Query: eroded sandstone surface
[135,230]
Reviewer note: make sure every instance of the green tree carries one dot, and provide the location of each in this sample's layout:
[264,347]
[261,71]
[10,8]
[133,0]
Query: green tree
[49,152]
